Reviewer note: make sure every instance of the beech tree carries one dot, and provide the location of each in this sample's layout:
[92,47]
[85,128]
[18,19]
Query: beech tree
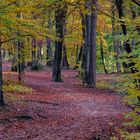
[1,79]
[60,20]
[49,52]
[128,49]
[89,51]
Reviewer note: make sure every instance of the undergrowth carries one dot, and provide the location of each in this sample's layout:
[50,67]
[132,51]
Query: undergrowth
[126,85]
[15,87]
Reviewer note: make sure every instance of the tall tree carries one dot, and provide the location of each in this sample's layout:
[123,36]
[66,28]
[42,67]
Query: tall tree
[34,53]
[1,79]
[49,52]
[89,51]
[128,49]
[102,57]
[92,66]
[65,63]
[21,64]
[59,19]
[116,43]
[87,35]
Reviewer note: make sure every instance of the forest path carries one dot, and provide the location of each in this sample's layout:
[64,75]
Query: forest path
[64,111]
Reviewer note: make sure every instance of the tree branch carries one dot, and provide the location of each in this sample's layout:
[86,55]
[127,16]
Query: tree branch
[13,38]
[108,14]
[136,2]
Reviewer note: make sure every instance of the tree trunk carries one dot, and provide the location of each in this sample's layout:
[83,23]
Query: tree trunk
[78,56]
[49,56]
[131,65]
[59,16]
[34,54]
[39,49]
[89,50]
[3,53]
[102,58]
[39,53]
[92,59]
[86,50]
[115,43]
[82,53]
[21,63]
[1,79]
[14,66]
[65,64]
[49,52]
[117,51]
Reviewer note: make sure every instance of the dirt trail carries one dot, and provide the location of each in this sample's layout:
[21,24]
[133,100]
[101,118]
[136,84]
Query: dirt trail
[63,111]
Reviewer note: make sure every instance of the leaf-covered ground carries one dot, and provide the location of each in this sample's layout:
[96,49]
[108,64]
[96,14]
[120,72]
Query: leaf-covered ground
[61,111]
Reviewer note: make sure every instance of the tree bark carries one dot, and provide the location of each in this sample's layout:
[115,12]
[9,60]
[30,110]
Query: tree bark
[1,79]
[34,54]
[102,58]
[3,53]
[59,16]
[49,56]
[82,53]
[78,56]
[89,50]
[117,51]
[92,64]
[115,43]
[65,64]
[39,49]
[86,49]
[49,52]
[21,63]
[14,66]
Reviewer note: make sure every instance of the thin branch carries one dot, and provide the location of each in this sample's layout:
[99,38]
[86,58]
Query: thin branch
[136,2]
[124,7]
[107,14]
[13,38]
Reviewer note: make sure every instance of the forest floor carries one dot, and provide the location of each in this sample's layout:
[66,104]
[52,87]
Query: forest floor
[61,111]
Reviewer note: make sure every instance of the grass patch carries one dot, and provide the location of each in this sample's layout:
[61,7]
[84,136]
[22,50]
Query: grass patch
[15,87]
[103,85]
